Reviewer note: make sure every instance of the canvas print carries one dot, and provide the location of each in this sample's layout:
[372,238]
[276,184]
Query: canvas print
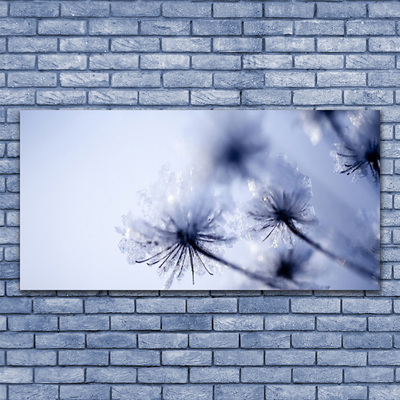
[200,200]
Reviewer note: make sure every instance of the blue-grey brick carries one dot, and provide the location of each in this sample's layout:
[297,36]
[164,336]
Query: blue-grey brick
[164,98]
[341,323]
[266,96]
[162,375]
[317,96]
[265,340]
[214,375]
[135,357]
[369,61]
[186,357]
[384,10]
[194,45]
[319,61]
[239,392]
[9,201]
[58,97]
[62,61]
[3,9]
[83,79]
[290,392]
[61,27]
[368,375]
[384,392]
[135,322]
[366,306]
[342,358]
[387,44]
[216,62]
[317,27]
[164,61]
[83,357]
[137,9]
[107,306]
[136,392]
[214,340]
[365,27]
[163,340]
[37,392]
[84,9]
[87,392]
[214,97]
[16,375]
[32,323]
[179,392]
[237,10]
[341,45]
[368,97]
[15,305]
[384,357]
[3,321]
[289,357]
[84,322]
[388,288]
[289,79]
[342,78]
[113,61]
[316,340]
[237,45]
[17,61]
[87,45]
[181,9]
[268,27]
[240,323]
[187,323]
[288,44]
[113,27]
[211,305]
[386,323]
[289,323]
[238,357]
[124,97]
[217,27]
[384,78]
[32,79]
[59,375]
[136,79]
[17,26]
[32,45]
[9,131]
[16,340]
[57,306]
[343,392]
[186,79]
[266,375]
[34,9]
[9,270]
[343,11]
[111,375]
[263,305]
[288,10]
[165,28]
[138,44]
[367,341]
[111,340]
[31,357]
[2,84]
[9,167]
[317,375]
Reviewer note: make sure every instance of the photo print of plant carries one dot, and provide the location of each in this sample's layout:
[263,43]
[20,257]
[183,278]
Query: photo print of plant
[201,200]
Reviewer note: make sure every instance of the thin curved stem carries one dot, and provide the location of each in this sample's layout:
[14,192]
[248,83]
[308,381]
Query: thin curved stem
[250,274]
[340,260]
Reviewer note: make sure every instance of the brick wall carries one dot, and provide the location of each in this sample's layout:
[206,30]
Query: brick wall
[199,345]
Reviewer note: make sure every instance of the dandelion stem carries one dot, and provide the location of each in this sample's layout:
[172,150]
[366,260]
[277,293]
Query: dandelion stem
[250,274]
[333,256]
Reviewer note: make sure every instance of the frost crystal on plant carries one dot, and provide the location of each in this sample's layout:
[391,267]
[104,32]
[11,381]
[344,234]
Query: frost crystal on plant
[358,152]
[284,205]
[185,233]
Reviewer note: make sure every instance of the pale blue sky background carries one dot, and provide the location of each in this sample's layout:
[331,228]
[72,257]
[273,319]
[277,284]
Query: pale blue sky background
[81,171]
